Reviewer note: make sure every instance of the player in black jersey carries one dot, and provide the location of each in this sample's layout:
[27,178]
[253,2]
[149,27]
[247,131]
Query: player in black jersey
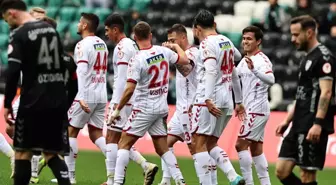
[312,116]
[41,124]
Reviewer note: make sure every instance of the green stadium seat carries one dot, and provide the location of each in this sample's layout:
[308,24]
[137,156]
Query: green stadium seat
[102,13]
[55,3]
[81,10]
[27,2]
[4,28]
[52,12]
[38,3]
[62,28]
[4,57]
[124,4]
[236,38]
[141,5]
[3,42]
[73,31]
[67,13]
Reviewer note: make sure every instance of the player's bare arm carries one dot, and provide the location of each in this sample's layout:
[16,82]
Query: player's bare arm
[282,127]
[185,69]
[183,59]
[326,88]
[265,76]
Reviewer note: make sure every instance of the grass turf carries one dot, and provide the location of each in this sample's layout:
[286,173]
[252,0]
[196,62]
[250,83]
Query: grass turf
[90,170]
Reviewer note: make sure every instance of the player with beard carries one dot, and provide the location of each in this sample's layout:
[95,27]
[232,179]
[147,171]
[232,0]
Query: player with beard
[312,117]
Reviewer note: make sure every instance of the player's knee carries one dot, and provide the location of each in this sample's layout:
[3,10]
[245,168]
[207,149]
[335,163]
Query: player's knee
[212,143]
[160,151]
[241,145]
[73,132]
[113,136]
[23,155]
[10,131]
[307,176]
[48,156]
[281,172]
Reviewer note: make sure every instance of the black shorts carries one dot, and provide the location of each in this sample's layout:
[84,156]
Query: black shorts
[307,155]
[44,131]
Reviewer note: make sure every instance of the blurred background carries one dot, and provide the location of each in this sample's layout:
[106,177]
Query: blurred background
[273,16]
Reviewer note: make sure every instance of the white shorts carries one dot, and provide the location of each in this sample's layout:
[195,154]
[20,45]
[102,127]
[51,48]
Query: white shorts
[253,128]
[139,123]
[181,126]
[120,124]
[78,118]
[209,125]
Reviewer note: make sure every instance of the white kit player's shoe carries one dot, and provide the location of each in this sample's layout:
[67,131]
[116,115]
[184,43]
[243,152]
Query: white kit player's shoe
[72,177]
[180,182]
[12,163]
[150,174]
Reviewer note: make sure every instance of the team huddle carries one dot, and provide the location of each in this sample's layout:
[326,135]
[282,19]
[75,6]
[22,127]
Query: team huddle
[210,89]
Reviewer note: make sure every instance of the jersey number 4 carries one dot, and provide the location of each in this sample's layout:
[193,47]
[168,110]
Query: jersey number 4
[156,71]
[99,66]
[227,63]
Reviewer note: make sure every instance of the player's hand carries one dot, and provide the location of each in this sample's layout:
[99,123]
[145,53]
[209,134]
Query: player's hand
[249,62]
[240,112]
[213,109]
[314,133]
[280,130]
[8,114]
[169,45]
[113,117]
[84,106]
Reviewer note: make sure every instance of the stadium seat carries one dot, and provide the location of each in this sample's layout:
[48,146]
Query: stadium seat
[67,13]
[154,17]
[288,3]
[270,39]
[3,42]
[73,31]
[244,8]
[4,57]
[223,22]
[279,70]
[323,38]
[140,5]
[259,10]
[4,28]
[102,13]
[282,55]
[289,88]
[62,28]
[161,34]
[226,7]
[240,22]
[52,12]
[212,5]
[235,38]
[175,5]
[285,41]
[186,18]
[38,3]
[195,5]
[124,4]
[158,5]
[55,3]
[81,10]
[170,18]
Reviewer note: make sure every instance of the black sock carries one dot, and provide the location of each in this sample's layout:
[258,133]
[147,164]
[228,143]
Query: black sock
[310,183]
[22,172]
[292,179]
[60,170]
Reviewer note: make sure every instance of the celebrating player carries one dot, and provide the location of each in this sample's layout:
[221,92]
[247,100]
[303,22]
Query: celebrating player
[213,103]
[255,72]
[44,94]
[123,52]
[186,81]
[147,79]
[89,105]
[312,116]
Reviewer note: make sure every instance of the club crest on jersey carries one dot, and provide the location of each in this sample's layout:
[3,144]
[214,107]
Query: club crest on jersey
[99,47]
[308,64]
[155,59]
[326,68]
[120,54]
[10,49]
[225,45]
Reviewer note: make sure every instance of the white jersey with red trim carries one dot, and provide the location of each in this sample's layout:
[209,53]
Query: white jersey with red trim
[255,92]
[149,69]
[186,86]
[123,52]
[93,51]
[221,49]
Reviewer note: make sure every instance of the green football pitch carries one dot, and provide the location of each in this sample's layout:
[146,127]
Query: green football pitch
[90,170]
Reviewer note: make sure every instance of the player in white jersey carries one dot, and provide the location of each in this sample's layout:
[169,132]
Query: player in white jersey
[147,79]
[89,105]
[213,103]
[123,52]
[180,126]
[255,72]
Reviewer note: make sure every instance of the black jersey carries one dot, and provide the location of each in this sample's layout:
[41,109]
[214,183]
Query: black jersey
[35,49]
[71,78]
[317,64]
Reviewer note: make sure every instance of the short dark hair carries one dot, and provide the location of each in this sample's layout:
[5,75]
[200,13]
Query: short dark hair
[142,30]
[306,22]
[258,33]
[50,21]
[205,19]
[115,20]
[13,4]
[93,21]
[178,28]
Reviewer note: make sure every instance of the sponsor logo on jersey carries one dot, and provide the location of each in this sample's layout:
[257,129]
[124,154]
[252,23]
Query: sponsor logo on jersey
[225,45]
[308,64]
[155,59]
[99,47]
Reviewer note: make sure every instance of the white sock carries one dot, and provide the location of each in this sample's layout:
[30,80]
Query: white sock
[34,165]
[166,176]
[203,167]
[101,144]
[195,164]
[261,166]
[213,172]
[172,165]
[71,159]
[5,147]
[121,165]
[138,158]
[245,161]
[111,159]
[223,162]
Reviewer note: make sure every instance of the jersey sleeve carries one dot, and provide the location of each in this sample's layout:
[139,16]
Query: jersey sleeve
[123,55]
[134,70]
[172,57]
[207,51]
[325,67]
[14,49]
[262,65]
[81,53]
